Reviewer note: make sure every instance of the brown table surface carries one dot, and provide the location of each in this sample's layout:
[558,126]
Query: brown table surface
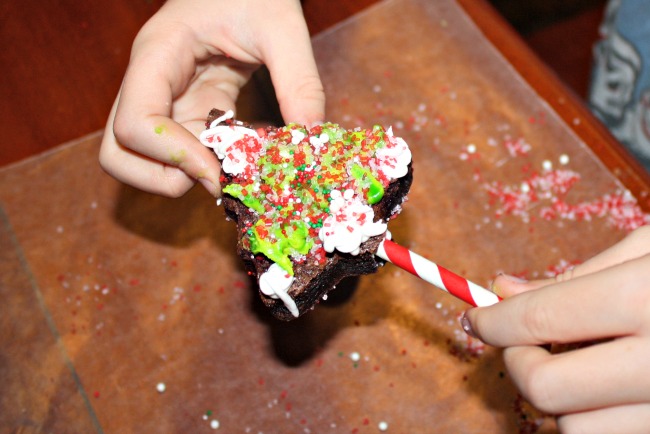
[110,293]
[63,62]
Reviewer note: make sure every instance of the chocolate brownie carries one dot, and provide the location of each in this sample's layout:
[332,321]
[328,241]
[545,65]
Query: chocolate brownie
[311,204]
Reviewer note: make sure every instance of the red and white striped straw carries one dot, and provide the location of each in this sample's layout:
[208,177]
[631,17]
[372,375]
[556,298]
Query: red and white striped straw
[438,276]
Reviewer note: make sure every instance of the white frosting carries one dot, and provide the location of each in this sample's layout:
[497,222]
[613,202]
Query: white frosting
[297,136]
[349,224]
[234,160]
[394,158]
[275,283]
[319,142]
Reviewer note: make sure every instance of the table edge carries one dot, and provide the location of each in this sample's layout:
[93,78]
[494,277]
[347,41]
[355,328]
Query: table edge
[568,106]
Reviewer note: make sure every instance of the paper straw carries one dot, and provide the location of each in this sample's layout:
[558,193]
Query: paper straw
[438,276]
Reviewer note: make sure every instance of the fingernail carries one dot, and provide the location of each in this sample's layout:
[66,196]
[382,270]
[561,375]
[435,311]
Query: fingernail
[494,287]
[212,189]
[467,326]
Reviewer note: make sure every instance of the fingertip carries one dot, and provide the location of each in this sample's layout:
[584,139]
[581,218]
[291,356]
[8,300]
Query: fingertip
[466,324]
[210,186]
[295,77]
[204,169]
[506,285]
[303,105]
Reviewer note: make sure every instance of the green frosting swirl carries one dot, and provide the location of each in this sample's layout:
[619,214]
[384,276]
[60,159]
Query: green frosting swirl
[288,240]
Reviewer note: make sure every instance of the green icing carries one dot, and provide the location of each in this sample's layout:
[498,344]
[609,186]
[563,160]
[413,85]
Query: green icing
[298,238]
[160,129]
[368,180]
[288,240]
[236,190]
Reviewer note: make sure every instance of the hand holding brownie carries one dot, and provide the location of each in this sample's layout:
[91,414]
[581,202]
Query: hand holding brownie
[189,57]
[197,54]
[604,387]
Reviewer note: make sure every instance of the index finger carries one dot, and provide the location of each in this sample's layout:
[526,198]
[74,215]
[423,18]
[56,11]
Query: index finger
[143,120]
[608,303]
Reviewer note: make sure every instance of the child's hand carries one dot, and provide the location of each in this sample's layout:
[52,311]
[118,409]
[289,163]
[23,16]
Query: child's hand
[194,55]
[601,388]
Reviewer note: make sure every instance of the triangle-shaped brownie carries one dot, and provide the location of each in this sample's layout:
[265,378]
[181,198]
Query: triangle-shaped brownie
[311,204]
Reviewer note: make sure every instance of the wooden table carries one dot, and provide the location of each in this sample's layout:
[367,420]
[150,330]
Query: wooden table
[127,312]
[63,63]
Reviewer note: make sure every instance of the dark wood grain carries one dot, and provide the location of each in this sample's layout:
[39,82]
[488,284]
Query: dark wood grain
[62,64]
[322,14]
